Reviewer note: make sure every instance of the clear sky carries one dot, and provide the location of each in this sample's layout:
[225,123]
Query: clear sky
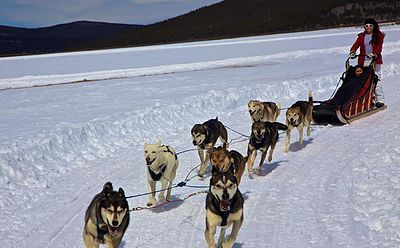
[39,13]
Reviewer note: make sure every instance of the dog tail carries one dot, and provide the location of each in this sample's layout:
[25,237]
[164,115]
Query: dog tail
[310,105]
[280,126]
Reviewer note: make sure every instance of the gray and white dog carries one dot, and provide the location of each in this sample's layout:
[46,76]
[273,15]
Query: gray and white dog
[106,219]
[205,136]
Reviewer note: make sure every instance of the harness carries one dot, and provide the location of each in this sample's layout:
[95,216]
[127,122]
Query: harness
[157,177]
[100,232]
[206,140]
[257,143]
[223,214]
[162,168]
[169,150]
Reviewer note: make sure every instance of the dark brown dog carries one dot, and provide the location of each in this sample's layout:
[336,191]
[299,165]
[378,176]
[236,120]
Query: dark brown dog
[263,136]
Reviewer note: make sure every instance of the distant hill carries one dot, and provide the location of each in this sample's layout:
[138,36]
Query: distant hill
[234,18]
[226,19]
[58,38]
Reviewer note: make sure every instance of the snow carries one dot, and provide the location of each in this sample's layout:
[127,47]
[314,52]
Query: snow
[59,144]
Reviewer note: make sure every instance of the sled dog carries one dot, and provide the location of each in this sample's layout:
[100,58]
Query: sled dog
[162,163]
[205,136]
[224,161]
[224,207]
[263,136]
[106,219]
[263,111]
[299,115]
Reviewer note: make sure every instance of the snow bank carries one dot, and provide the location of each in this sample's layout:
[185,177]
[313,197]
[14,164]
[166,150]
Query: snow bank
[28,163]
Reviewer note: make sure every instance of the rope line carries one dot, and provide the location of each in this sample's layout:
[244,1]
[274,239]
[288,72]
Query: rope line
[169,202]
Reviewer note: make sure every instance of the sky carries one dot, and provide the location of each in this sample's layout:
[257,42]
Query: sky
[40,13]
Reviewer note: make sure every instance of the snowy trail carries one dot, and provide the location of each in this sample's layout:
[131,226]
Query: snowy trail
[333,192]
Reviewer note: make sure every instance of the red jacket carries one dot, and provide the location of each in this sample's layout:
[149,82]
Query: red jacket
[376,48]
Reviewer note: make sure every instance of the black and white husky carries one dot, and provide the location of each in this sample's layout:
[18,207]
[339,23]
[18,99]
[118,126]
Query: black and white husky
[162,164]
[106,219]
[224,207]
[205,136]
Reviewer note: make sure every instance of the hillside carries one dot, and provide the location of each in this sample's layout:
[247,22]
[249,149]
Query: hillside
[226,19]
[235,18]
[56,38]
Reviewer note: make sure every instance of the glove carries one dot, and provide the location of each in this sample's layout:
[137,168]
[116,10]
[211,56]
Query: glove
[371,56]
[352,55]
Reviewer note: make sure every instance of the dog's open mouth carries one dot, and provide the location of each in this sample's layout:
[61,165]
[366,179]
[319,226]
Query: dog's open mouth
[112,230]
[149,162]
[224,205]
[252,112]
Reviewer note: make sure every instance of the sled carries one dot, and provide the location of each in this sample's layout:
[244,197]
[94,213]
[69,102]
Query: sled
[353,100]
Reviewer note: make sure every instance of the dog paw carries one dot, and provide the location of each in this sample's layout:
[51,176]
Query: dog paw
[269,159]
[151,202]
[251,175]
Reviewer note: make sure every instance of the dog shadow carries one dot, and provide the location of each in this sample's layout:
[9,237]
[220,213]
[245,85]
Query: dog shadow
[174,203]
[237,245]
[268,168]
[295,147]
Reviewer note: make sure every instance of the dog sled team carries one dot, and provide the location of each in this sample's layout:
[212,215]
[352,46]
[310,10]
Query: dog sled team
[107,216]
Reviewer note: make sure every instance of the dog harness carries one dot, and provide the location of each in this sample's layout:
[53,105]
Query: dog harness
[223,214]
[206,140]
[169,150]
[157,177]
[257,143]
[100,232]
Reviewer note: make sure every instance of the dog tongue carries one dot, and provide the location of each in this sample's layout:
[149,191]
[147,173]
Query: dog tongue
[112,230]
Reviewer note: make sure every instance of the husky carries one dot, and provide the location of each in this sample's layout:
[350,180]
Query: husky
[106,219]
[205,136]
[224,207]
[224,161]
[162,163]
[263,135]
[299,115]
[263,111]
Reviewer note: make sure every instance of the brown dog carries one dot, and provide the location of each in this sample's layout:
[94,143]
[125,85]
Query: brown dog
[263,111]
[299,115]
[264,136]
[224,161]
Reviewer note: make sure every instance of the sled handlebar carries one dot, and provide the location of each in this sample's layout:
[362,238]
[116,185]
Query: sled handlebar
[347,64]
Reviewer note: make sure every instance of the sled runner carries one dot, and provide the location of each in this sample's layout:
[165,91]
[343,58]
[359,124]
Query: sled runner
[355,98]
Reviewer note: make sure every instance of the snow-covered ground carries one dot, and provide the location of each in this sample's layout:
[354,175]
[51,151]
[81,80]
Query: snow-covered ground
[59,144]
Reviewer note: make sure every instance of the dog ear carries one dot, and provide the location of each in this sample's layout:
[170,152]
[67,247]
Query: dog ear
[159,142]
[210,151]
[107,188]
[121,192]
